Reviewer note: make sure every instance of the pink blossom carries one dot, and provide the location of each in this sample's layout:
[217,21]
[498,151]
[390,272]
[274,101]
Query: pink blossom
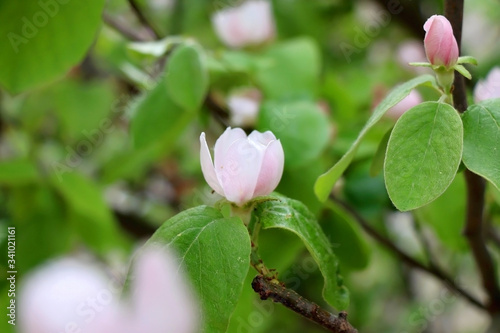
[411,51]
[413,99]
[244,107]
[440,44]
[71,296]
[245,167]
[489,87]
[249,24]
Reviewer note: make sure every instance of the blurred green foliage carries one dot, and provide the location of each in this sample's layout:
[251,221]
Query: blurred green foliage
[99,141]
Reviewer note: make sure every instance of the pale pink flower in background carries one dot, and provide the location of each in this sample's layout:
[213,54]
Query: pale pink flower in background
[244,107]
[413,99]
[411,51]
[244,167]
[440,44]
[482,34]
[489,87]
[70,296]
[61,297]
[249,24]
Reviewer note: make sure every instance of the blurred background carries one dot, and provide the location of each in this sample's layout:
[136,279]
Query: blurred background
[90,166]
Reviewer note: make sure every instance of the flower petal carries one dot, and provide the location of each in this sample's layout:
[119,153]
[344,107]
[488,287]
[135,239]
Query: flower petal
[440,44]
[256,20]
[250,23]
[227,138]
[207,166]
[58,293]
[228,28]
[160,298]
[271,169]
[489,87]
[239,169]
[262,138]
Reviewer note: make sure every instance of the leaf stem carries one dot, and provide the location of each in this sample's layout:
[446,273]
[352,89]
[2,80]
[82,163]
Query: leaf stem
[292,300]
[255,260]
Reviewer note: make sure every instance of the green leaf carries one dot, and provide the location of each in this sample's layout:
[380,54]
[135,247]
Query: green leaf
[446,215]
[215,252]
[237,61]
[153,117]
[482,139]
[18,172]
[88,210]
[290,68]
[420,64]
[423,155]
[346,237]
[378,160]
[300,125]
[187,77]
[42,231]
[42,40]
[298,184]
[326,181]
[91,120]
[462,70]
[292,215]
[156,124]
[154,49]
[467,60]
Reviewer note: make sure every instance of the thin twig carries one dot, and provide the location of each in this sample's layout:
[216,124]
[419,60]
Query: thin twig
[432,269]
[474,233]
[426,246]
[142,18]
[407,12]
[123,29]
[492,234]
[304,307]
[474,224]
[217,111]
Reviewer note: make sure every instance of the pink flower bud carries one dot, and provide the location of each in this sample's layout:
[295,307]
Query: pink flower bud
[440,44]
[413,99]
[489,87]
[251,23]
[245,167]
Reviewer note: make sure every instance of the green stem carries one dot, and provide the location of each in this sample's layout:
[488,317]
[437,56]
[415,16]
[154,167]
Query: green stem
[255,259]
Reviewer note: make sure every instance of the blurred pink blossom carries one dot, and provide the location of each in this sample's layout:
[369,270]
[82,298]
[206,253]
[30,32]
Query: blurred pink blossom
[413,99]
[71,296]
[411,51]
[489,87]
[440,44]
[244,107]
[249,24]
[245,167]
